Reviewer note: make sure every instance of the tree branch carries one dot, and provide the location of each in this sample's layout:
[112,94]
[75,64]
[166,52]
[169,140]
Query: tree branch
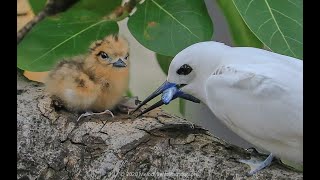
[52,145]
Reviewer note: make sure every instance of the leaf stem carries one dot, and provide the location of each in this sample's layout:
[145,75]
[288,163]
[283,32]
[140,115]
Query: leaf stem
[52,7]
[122,12]
[26,28]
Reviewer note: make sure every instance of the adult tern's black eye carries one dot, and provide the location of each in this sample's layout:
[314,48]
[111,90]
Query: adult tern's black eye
[184,70]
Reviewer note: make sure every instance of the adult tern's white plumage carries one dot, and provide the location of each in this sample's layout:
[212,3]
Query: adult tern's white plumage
[254,92]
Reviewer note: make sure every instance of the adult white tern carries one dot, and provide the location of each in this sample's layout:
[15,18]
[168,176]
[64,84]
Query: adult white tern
[256,93]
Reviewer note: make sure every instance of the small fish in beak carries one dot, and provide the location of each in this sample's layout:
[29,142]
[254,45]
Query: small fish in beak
[170,91]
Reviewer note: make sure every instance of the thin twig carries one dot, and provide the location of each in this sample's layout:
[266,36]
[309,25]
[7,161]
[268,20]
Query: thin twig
[22,14]
[52,7]
[26,28]
[56,6]
[122,12]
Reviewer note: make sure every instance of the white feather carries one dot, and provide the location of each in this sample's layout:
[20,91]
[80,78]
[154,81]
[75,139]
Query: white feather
[260,104]
[256,93]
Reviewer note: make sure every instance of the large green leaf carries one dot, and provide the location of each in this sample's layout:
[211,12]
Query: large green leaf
[277,23]
[167,26]
[100,7]
[241,34]
[54,39]
[37,5]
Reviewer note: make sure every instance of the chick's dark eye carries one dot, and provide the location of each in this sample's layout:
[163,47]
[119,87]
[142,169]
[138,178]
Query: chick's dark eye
[104,55]
[184,70]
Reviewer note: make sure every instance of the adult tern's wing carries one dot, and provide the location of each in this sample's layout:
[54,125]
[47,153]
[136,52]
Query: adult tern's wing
[262,103]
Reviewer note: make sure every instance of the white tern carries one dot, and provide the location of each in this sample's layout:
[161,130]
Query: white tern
[256,93]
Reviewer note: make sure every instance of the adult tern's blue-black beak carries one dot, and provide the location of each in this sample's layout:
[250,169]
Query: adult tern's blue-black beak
[170,91]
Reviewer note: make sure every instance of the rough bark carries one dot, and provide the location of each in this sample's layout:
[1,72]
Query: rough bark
[52,145]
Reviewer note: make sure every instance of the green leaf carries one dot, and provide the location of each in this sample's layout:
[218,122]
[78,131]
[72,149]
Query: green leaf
[241,34]
[54,39]
[129,93]
[100,7]
[167,26]
[277,23]
[164,62]
[182,106]
[37,5]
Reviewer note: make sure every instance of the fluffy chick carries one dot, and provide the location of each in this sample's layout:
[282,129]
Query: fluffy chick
[95,82]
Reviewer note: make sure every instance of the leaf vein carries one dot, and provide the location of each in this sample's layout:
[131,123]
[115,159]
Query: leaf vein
[248,7]
[277,25]
[164,10]
[58,45]
[287,16]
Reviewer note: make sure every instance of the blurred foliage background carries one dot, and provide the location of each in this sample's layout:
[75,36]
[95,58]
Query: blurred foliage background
[162,26]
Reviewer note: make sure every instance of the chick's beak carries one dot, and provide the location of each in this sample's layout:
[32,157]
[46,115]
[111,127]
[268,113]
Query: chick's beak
[170,92]
[119,63]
